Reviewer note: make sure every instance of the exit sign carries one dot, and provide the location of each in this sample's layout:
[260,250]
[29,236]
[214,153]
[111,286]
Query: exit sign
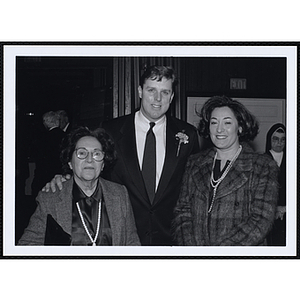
[238,83]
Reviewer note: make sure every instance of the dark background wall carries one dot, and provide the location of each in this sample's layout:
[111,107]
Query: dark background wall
[266,77]
[83,86]
[205,77]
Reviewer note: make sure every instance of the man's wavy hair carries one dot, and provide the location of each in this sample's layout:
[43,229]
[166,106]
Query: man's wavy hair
[245,119]
[158,73]
[70,141]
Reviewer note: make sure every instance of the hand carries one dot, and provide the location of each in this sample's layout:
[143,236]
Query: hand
[57,180]
[281,210]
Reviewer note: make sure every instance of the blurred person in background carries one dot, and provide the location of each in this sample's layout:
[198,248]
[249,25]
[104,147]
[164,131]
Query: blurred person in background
[275,147]
[64,123]
[46,152]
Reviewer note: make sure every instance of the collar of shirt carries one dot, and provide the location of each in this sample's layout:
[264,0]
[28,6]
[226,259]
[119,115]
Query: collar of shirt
[66,127]
[79,195]
[53,127]
[141,129]
[142,123]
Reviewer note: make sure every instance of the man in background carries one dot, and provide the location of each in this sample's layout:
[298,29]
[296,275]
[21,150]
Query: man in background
[64,123]
[46,152]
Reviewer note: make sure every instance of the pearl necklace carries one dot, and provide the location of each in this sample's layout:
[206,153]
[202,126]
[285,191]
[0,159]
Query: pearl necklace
[216,183]
[85,227]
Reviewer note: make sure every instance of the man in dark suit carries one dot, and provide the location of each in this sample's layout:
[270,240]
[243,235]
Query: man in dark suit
[47,152]
[64,123]
[175,141]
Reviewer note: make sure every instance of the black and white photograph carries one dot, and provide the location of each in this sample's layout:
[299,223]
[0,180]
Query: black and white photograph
[210,223]
[150,150]
[84,62]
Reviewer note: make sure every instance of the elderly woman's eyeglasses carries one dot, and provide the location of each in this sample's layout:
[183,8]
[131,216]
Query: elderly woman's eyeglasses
[82,153]
[277,139]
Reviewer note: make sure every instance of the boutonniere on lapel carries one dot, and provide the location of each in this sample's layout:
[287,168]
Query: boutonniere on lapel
[182,139]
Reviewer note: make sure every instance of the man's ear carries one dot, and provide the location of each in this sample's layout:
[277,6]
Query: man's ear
[70,165]
[140,90]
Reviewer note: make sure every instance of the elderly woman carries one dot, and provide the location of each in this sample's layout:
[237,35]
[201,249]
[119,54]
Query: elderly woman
[88,210]
[229,193]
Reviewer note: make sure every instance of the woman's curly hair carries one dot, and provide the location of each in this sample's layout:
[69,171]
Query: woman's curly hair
[245,119]
[70,141]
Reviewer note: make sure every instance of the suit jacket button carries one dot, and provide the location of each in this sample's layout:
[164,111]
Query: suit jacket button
[236,203]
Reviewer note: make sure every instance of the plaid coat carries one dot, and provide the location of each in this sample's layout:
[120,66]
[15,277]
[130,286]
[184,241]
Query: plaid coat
[244,207]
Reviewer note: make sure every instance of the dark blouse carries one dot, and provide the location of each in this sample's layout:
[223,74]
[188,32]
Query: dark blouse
[89,207]
[217,169]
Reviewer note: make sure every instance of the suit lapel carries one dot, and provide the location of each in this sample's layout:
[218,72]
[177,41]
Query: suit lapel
[127,146]
[237,176]
[171,160]
[202,178]
[113,207]
[64,207]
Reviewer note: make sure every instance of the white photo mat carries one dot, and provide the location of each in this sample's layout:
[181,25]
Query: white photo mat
[9,85]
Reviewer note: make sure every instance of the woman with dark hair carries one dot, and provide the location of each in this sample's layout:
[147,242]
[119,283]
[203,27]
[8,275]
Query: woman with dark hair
[88,210]
[229,193]
[275,147]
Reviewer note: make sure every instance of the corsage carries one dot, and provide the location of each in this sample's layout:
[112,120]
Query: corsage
[182,138]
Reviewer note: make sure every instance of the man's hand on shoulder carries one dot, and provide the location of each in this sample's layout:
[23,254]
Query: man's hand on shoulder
[56,181]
